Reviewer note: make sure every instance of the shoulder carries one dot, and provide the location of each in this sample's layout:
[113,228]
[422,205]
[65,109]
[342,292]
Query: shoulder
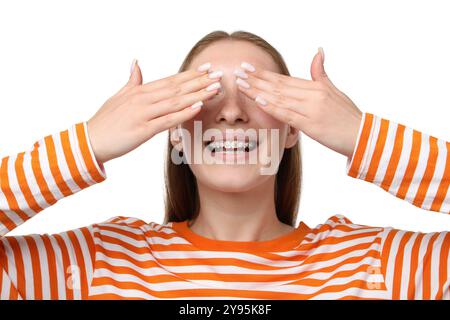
[339,220]
[339,226]
[127,233]
[135,225]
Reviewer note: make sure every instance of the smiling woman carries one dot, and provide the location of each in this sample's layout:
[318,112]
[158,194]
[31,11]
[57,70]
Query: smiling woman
[236,185]
[229,231]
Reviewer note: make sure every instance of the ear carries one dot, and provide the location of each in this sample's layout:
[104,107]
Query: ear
[292,137]
[175,138]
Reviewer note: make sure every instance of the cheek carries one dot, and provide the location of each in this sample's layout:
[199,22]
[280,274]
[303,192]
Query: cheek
[265,120]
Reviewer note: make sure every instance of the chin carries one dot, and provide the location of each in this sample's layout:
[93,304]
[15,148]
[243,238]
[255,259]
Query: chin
[229,178]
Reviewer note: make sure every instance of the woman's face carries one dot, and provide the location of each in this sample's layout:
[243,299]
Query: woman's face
[227,116]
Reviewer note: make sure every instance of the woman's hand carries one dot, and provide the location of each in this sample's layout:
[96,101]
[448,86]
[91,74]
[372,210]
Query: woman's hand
[139,111]
[315,107]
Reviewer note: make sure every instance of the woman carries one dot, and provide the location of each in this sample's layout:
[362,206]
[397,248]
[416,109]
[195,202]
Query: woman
[229,230]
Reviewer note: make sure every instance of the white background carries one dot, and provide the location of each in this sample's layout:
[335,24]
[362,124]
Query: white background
[60,60]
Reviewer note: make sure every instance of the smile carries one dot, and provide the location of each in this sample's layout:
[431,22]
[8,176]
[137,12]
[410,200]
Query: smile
[231,146]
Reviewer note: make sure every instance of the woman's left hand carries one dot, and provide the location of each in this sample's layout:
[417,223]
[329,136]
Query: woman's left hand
[315,107]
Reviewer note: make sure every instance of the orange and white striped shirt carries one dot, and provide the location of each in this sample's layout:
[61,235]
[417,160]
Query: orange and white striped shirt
[129,258]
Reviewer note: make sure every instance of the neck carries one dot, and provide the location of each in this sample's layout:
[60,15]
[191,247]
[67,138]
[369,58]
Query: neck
[239,216]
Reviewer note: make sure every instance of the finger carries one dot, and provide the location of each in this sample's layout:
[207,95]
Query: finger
[281,79]
[200,82]
[175,79]
[177,103]
[293,119]
[287,115]
[277,100]
[134,80]
[279,89]
[171,120]
[318,73]
[135,74]
[192,85]
[317,69]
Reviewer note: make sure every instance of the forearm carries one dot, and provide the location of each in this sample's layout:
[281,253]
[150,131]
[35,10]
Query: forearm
[410,165]
[57,166]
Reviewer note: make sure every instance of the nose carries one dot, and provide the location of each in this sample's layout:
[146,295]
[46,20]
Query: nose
[231,107]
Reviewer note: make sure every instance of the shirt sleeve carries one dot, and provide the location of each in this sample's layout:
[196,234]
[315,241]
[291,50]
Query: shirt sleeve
[408,164]
[416,265]
[58,266]
[57,166]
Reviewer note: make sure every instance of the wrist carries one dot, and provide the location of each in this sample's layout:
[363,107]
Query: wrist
[354,132]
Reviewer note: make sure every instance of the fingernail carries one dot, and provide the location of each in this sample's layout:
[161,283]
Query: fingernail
[213,86]
[198,104]
[204,67]
[247,66]
[215,74]
[322,53]
[133,65]
[260,100]
[242,83]
[240,73]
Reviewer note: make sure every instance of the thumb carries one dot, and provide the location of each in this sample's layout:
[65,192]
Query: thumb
[135,78]
[135,75]
[318,72]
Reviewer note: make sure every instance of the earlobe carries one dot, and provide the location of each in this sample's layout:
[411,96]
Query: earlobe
[292,137]
[175,138]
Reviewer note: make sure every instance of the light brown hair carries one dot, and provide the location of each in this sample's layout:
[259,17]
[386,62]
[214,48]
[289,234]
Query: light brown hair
[182,199]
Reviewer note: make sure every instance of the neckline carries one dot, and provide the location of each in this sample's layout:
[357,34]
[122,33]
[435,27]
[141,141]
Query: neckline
[280,243]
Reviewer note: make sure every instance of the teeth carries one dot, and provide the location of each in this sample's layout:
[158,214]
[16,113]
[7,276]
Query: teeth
[231,144]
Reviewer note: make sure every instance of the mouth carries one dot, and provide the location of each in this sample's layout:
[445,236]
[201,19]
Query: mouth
[231,146]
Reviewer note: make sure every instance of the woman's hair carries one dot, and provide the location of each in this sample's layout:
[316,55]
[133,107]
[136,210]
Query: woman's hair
[182,199]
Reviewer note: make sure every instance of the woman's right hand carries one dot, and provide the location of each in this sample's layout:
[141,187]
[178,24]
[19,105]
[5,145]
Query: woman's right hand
[139,111]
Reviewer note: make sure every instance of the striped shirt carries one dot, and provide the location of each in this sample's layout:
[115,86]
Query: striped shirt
[129,258]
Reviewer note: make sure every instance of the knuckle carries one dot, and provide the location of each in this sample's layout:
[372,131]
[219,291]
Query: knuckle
[169,119]
[174,102]
[176,90]
[280,100]
[199,82]
[277,90]
[171,82]
[279,81]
